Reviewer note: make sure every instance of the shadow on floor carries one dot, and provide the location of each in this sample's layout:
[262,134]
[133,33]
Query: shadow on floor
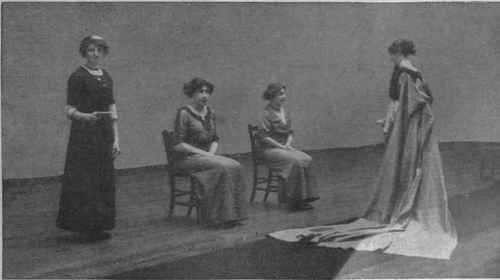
[267,258]
[476,212]
[270,258]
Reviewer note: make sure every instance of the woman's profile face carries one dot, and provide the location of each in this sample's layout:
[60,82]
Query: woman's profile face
[280,99]
[201,96]
[94,54]
[396,58]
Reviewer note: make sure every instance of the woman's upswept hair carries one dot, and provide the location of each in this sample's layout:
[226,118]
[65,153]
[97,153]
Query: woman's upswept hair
[273,90]
[402,46]
[196,84]
[93,39]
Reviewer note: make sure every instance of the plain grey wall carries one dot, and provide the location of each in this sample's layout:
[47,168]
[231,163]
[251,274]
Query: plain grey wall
[331,56]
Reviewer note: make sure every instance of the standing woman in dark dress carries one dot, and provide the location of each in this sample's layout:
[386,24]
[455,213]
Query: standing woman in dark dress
[87,202]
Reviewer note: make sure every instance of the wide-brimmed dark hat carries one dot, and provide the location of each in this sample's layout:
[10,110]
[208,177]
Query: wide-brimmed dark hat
[273,90]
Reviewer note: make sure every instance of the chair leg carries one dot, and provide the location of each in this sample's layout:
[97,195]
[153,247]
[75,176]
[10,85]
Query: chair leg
[269,181]
[196,201]
[172,196]
[255,178]
[198,214]
[191,198]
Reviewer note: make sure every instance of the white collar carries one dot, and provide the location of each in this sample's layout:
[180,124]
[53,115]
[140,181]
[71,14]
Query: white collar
[95,72]
[406,63]
[202,114]
[281,114]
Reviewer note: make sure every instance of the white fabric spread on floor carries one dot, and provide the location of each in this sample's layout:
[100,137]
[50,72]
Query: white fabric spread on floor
[365,235]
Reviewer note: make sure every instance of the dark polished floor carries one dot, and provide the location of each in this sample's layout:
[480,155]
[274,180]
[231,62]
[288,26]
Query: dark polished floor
[34,248]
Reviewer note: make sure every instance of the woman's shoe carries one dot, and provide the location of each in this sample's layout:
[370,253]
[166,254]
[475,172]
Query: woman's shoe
[301,206]
[306,206]
[93,236]
[310,199]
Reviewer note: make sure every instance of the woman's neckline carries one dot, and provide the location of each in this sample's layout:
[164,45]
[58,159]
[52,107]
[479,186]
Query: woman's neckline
[274,108]
[202,114]
[279,112]
[94,72]
[406,63]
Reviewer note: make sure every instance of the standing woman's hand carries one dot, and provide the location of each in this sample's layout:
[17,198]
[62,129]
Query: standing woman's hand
[88,117]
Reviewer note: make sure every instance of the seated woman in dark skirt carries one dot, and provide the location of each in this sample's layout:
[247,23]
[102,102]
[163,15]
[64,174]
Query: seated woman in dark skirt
[291,165]
[221,184]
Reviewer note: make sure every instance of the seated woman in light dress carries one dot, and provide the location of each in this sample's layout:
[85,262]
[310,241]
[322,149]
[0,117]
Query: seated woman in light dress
[221,185]
[298,184]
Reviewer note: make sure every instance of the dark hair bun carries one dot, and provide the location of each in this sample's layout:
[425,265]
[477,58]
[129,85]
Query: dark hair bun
[273,90]
[196,84]
[402,46]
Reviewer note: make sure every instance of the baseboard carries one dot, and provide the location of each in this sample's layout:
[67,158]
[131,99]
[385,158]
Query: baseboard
[15,182]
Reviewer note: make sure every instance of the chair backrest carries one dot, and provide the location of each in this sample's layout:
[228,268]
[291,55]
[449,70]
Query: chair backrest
[168,139]
[252,131]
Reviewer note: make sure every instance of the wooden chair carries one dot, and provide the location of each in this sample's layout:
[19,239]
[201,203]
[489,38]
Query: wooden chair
[272,181]
[176,192]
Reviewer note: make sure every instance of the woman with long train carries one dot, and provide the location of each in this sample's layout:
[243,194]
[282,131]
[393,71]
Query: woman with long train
[408,214]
